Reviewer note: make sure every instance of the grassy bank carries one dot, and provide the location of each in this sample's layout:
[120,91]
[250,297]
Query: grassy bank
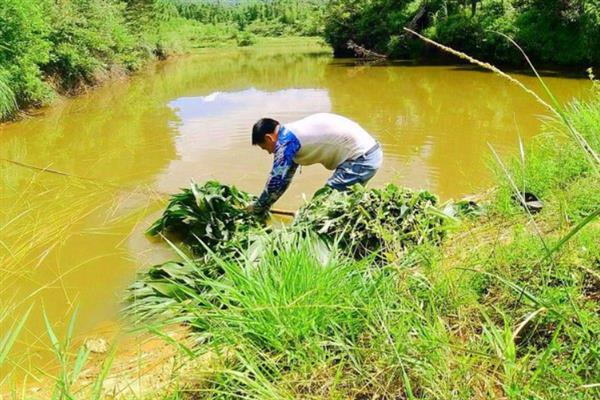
[506,307]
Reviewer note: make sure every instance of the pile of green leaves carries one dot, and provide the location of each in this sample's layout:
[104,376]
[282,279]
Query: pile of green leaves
[210,216]
[360,222]
[364,221]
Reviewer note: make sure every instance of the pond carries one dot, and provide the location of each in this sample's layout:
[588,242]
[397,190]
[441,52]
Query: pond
[72,243]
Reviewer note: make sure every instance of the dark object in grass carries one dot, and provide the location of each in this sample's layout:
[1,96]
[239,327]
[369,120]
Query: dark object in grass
[532,202]
[369,220]
[212,215]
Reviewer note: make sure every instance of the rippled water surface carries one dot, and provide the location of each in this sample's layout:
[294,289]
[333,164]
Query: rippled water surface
[70,243]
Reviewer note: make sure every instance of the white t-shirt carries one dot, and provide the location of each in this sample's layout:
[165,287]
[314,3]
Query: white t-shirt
[329,139]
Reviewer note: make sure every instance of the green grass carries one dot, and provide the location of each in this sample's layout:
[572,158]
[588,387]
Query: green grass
[8,103]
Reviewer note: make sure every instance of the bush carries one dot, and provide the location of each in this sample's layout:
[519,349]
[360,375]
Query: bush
[24,47]
[245,39]
[89,38]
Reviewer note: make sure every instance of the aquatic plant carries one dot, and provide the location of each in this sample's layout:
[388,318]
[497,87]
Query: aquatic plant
[211,216]
[364,221]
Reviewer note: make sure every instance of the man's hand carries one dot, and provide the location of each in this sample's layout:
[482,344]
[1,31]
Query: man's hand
[252,209]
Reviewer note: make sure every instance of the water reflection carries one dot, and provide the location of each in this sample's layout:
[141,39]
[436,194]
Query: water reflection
[213,137]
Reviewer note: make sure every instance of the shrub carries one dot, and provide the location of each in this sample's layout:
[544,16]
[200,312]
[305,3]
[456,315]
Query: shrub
[24,47]
[245,39]
[90,38]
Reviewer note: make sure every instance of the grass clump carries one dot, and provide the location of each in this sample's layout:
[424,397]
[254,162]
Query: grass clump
[290,300]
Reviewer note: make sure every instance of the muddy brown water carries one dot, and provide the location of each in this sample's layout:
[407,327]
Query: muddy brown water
[68,243]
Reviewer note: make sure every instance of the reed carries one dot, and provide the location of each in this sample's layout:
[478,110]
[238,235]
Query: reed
[8,102]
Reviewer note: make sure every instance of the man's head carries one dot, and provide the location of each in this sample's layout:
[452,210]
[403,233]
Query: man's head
[264,134]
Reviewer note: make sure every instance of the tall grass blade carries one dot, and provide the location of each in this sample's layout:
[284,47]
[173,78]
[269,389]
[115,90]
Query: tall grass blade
[9,339]
[557,109]
[8,101]
[104,370]
[482,64]
[587,220]
[52,335]
[519,195]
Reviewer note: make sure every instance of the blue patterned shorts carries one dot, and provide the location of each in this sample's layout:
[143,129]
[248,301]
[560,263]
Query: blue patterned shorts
[360,170]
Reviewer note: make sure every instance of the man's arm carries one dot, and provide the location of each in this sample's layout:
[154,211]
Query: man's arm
[281,175]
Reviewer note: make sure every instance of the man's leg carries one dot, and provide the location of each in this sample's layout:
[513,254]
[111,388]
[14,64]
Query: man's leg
[356,171]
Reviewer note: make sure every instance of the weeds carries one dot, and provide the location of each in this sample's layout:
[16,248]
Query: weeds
[8,103]
[67,385]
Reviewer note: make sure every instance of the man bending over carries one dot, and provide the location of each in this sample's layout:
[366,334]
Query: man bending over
[336,142]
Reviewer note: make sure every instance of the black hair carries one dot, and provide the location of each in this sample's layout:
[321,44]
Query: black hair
[261,128]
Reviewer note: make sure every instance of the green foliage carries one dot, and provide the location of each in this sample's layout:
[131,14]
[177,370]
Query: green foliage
[365,221]
[550,31]
[88,39]
[8,103]
[74,43]
[211,220]
[245,39]
[372,24]
[260,17]
[25,48]
[293,297]
[301,320]
[161,287]
[211,216]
